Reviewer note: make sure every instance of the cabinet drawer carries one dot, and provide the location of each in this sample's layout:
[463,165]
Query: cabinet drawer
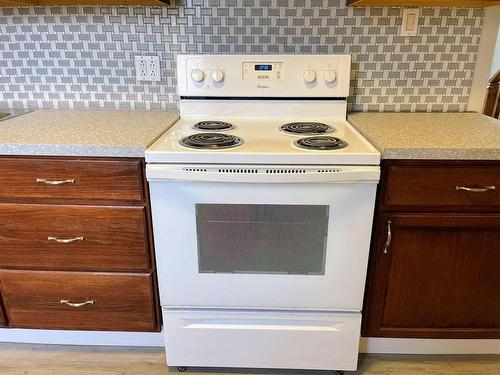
[315,340]
[73,237]
[85,301]
[475,187]
[45,178]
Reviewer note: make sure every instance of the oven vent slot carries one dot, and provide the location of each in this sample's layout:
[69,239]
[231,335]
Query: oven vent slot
[195,169]
[240,170]
[287,171]
[329,170]
[267,171]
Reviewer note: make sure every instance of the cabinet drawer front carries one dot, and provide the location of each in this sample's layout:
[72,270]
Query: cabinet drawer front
[86,301]
[73,237]
[449,186]
[98,180]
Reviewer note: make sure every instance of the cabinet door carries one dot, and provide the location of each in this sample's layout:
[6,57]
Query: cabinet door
[435,276]
[2,317]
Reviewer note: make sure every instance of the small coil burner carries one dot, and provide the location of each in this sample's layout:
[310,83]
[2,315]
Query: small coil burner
[321,143]
[306,128]
[211,141]
[213,125]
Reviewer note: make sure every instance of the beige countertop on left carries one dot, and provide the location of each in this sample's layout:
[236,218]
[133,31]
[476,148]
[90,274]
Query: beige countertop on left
[66,132]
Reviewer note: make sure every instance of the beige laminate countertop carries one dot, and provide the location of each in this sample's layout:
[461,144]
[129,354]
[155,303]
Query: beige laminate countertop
[66,132]
[460,136]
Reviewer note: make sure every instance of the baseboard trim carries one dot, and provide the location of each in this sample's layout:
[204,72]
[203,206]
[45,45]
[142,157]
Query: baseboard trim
[428,346]
[97,338]
[371,345]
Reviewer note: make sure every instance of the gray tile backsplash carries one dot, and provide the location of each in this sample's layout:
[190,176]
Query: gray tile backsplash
[83,56]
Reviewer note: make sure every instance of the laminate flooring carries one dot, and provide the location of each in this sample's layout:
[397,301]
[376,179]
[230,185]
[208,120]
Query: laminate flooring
[26,359]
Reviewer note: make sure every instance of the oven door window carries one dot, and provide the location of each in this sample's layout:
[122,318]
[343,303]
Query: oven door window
[262,238]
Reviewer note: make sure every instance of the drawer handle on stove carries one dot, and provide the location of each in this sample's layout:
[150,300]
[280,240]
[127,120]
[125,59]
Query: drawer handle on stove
[54,182]
[477,190]
[389,237]
[65,240]
[66,302]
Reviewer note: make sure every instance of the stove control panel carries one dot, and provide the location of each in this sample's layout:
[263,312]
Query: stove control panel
[262,71]
[264,75]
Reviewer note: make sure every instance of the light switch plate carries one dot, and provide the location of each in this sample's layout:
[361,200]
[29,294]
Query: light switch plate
[147,68]
[410,21]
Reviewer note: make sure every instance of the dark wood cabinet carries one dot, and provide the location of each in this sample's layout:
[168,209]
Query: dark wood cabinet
[79,300]
[76,230]
[3,321]
[431,187]
[434,274]
[48,179]
[73,237]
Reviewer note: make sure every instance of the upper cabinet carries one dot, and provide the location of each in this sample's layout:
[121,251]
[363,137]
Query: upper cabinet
[425,3]
[83,2]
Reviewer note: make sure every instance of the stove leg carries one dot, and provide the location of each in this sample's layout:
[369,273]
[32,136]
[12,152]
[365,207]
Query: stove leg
[181,369]
[339,372]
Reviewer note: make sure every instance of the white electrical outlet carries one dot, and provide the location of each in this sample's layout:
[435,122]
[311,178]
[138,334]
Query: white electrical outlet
[147,68]
[409,26]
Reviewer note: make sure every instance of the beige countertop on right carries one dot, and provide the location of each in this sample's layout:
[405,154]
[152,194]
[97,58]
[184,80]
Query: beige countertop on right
[450,136]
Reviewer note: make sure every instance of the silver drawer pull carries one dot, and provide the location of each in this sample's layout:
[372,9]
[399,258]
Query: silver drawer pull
[477,190]
[54,182]
[65,240]
[66,302]
[389,237]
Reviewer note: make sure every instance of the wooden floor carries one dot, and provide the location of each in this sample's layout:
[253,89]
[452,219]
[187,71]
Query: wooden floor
[22,359]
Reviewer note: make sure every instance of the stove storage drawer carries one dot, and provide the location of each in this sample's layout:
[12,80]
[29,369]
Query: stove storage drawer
[82,301]
[450,186]
[73,237]
[263,339]
[50,178]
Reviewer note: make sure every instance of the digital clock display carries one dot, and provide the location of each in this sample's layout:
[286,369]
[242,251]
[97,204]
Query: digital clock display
[264,67]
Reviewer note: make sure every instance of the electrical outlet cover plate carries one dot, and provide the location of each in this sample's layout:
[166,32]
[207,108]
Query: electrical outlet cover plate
[147,68]
[410,21]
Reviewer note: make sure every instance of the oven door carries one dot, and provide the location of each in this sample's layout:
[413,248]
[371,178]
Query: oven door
[254,238]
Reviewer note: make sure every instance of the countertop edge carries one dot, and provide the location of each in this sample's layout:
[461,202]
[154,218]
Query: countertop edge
[422,153]
[129,146]
[72,150]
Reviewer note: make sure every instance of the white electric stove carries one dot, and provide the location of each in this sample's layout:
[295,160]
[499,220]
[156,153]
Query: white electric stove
[262,199]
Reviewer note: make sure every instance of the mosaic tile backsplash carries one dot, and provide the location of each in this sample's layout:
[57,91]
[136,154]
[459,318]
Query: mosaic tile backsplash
[83,56]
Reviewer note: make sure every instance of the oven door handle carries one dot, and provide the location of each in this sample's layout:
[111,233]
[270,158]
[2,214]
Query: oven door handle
[260,174]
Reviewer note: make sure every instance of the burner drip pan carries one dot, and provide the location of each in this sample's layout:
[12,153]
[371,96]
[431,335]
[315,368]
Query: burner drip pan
[305,128]
[211,141]
[213,125]
[321,143]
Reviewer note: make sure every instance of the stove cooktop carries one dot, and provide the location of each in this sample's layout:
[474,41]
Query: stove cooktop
[262,141]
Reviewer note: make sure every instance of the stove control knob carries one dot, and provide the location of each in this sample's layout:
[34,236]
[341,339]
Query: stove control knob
[329,76]
[197,75]
[217,75]
[309,76]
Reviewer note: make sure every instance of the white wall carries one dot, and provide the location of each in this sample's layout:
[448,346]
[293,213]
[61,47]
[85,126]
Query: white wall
[496,55]
[488,41]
